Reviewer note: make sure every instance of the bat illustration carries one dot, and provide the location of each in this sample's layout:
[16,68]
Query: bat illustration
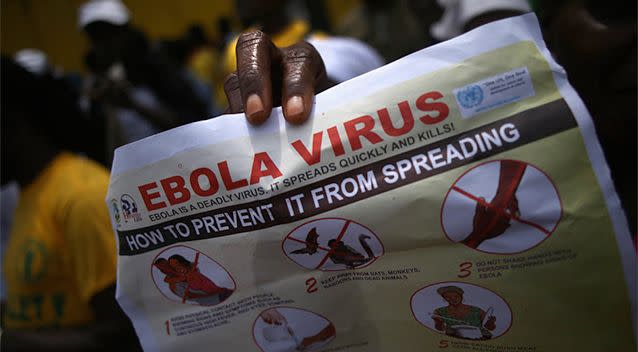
[311,243]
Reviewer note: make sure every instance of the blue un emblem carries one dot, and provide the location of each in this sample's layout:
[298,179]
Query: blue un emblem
[470,96]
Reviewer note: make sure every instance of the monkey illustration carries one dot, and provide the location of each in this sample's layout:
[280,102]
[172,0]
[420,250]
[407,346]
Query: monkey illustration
[311,243]
[348,256]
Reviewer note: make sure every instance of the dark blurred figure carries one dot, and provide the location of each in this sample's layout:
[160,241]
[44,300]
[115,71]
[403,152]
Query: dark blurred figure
[460,16]
[399,28]
[595,41]
[225,31]
[196,57]
[390,26]
[9,194]
[317,16]
[225,35]
[179,50]
[596,44]
[140,91]
[60,262]
[65,91]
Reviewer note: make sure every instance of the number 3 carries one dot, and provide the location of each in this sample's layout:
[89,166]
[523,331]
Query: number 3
[464,270]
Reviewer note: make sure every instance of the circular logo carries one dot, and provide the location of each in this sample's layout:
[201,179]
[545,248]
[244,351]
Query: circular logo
[332,244]
[470,96]
[185,275]
[461,310]
[502,207]
[129,208]
[116,210]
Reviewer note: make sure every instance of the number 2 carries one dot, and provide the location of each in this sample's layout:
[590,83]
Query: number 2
[311,285]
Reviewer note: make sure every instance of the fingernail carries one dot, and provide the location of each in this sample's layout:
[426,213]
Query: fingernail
[254,106]
[294,106]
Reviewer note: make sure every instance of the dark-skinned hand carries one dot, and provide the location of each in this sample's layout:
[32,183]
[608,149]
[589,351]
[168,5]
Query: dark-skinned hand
[269,76]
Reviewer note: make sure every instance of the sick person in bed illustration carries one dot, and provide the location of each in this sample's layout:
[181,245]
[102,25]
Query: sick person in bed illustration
[185,280]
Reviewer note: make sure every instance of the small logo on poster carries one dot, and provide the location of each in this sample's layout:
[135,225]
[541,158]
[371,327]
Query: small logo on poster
[129,208]
[116,211]
[470,96]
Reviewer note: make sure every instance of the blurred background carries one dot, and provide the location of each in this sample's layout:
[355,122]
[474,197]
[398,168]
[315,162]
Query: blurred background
[132,68]
[52,26]
[121,70]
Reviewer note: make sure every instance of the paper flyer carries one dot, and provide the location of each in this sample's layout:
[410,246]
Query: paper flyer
[454,200]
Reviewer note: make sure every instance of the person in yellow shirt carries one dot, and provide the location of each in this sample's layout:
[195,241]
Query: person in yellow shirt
[60,262]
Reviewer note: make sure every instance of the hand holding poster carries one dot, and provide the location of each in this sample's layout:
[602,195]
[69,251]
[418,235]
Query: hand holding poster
[457,198]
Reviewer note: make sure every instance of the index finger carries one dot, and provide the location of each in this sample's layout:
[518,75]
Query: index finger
[255,55]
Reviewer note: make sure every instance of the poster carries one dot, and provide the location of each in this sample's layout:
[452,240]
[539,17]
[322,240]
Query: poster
[456,199]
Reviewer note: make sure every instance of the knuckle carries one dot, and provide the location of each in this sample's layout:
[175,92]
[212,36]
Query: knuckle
[305,46]
[302,60]
[301,51]
[297,79]
[231,82]
[250,81]
[250,39]
[297,87]
[249,74]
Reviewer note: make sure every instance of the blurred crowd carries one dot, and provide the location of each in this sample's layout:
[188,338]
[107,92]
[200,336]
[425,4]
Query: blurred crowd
[60,128]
